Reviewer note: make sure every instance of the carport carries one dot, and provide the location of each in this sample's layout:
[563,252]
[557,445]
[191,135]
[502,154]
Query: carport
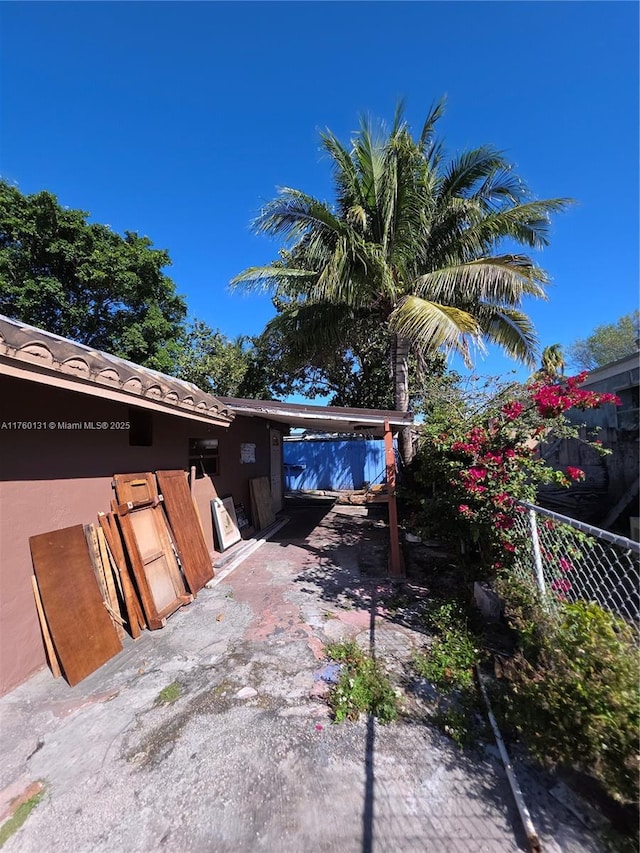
[378,423]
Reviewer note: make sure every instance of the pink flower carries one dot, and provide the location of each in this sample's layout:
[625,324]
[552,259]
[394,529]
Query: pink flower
[575,473]
[512,410]
[475,488]
[503,522]
[561,585]
[477,473]
[461,447]
[492,457]
[550,401]
[565,565]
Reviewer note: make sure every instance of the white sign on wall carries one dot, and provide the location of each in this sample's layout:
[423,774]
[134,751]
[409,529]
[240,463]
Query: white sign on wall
[247,453]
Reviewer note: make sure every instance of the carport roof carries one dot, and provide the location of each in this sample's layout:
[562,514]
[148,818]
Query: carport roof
[329,419]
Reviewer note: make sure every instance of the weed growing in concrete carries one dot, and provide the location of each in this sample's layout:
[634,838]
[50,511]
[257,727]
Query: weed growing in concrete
[448,664]
[169,694]
[449,661]
[363,687]
[16,820]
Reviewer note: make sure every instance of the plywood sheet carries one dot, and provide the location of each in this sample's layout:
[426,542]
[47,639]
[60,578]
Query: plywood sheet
[135,617]
[261,505]
[82,631]
[187,533]
[46,633]
[203,492]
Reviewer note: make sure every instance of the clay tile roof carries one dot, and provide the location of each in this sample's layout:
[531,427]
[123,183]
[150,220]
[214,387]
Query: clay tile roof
[40,356]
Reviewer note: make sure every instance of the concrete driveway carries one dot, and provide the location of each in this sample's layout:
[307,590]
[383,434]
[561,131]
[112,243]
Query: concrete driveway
[245,757]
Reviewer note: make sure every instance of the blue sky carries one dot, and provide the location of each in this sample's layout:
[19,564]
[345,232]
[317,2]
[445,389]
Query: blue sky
[177,120]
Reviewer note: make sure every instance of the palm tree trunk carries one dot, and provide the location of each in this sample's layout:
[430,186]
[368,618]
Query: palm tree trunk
[400,367]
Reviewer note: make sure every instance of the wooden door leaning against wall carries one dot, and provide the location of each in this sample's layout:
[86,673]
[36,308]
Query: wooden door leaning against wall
[148,542]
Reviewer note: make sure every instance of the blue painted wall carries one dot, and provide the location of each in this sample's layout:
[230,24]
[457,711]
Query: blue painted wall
[333,464]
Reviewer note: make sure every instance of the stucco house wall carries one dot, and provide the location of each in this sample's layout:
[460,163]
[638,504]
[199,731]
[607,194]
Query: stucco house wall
[52,478]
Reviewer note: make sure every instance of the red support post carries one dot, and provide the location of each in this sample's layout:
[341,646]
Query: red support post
[395,557]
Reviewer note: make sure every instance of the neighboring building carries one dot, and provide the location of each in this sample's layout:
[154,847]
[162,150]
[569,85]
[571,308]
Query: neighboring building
[72,417]
[608,497]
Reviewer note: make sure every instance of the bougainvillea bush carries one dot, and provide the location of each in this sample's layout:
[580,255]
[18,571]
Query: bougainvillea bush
[472,466]
[570,687]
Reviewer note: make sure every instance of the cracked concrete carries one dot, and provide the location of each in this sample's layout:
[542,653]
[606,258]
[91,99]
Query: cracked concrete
[246,757]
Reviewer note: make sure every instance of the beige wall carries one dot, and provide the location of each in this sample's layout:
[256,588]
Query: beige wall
[54,478]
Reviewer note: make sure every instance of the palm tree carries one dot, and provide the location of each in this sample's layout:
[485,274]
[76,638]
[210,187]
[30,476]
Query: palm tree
[412,240]
[552,362]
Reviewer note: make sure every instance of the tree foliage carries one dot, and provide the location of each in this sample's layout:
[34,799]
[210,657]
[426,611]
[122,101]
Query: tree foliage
[83,281]
[606,343]
[355,372]
[226,368]
[411,243]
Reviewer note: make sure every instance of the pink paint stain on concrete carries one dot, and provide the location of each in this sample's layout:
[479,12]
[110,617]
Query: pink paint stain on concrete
[67,707]
[356,618]
[14,795]
[258,587]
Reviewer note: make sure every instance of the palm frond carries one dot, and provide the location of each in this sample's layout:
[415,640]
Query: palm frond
[512,331]
[501,187]
[265,279]
[345,174]
[369,158]
[470,167]
[503,279]
[309,325]
[430,147]
[527,224]
[292,213]
[431,325]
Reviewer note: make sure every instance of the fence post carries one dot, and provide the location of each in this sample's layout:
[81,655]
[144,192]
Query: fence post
[537,556]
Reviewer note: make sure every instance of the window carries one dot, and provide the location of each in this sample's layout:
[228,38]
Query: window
[203,453]
[628,412]
[140,428]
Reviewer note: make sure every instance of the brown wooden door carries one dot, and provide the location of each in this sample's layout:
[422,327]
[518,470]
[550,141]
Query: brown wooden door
[187,533]
[136,489]
[154,565]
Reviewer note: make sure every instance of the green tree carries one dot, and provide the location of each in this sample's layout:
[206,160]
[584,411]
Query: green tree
[227,368]
[83,281]
[606,343]
[552,362]
[413,242]
[356,371]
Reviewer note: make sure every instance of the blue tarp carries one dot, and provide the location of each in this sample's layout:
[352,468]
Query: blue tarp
[333,464]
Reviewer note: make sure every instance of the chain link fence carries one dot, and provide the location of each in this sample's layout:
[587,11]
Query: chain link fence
[570,561]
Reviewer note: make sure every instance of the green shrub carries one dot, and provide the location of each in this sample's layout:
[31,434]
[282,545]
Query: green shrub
[578,702]
[524,611]
[448,662]
[362,688]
